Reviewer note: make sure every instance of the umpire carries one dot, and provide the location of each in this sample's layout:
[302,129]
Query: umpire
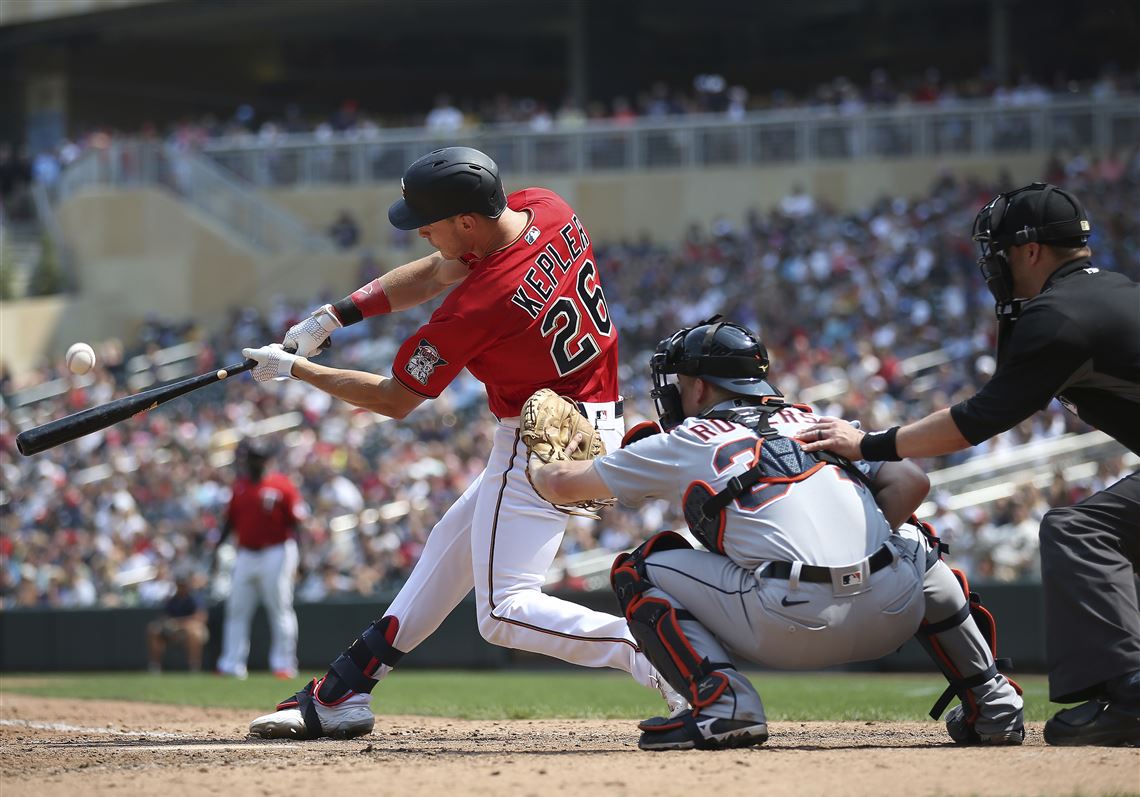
[1074,335]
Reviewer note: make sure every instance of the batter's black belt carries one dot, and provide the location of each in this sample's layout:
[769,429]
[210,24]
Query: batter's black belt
[822,575]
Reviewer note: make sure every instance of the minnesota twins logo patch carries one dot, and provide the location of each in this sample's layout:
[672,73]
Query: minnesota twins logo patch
[424,362]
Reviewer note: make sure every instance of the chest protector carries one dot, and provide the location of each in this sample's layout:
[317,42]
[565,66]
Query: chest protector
[779,462]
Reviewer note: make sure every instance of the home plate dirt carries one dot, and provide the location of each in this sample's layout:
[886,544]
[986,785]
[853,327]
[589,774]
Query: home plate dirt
[66,747]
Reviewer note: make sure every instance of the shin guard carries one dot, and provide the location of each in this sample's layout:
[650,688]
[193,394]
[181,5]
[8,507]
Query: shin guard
[961,685]
[655,624]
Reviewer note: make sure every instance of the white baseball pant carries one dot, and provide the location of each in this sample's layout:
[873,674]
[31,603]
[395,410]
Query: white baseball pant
[267,574]
[500,538]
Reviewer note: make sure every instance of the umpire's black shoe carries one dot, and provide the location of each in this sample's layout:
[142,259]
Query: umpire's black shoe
[691,731]
[1097,722]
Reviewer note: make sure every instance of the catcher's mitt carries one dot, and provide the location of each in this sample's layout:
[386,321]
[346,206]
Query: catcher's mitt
[547,426]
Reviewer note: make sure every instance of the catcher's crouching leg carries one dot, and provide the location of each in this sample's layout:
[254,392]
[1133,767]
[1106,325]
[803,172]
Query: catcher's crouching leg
[337,705]
[656,625]
[960,635]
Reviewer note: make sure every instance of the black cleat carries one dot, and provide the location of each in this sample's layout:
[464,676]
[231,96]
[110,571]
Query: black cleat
[1097,722]
[700,732]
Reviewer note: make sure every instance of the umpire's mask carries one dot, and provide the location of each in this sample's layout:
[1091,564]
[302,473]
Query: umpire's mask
[1037,213]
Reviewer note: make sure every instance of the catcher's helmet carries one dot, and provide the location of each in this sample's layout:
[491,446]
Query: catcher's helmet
[445,183]
[720,352]
[1037,213]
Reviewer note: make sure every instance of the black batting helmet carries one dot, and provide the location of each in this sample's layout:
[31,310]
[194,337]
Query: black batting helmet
[720,352]
[445,183]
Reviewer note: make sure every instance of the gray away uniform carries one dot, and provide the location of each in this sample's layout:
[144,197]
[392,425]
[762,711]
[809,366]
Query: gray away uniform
[729,608]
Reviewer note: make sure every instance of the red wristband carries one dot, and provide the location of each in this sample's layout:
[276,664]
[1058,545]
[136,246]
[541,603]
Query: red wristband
[371,299]
[362,303]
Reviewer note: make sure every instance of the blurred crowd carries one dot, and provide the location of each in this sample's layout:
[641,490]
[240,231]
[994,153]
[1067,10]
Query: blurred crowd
[706,94]
[709,94]
[844,301]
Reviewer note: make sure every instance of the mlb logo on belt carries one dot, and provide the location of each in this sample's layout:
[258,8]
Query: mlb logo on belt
[852,579]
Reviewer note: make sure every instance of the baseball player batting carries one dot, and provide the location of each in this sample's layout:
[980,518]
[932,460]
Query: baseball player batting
[525,311]
[802,569]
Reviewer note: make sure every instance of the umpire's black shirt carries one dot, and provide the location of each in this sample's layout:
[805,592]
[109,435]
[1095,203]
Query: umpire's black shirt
[1078,340]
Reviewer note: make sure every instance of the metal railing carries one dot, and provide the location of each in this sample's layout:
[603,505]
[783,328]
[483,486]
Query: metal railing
[202,183]
[770,137]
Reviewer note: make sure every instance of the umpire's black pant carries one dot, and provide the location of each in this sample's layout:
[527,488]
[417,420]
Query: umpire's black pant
[1090,554]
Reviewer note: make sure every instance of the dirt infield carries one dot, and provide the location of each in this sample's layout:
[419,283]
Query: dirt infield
[65,747]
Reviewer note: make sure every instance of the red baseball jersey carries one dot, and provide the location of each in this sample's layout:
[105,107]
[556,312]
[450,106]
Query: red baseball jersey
[528,316]
[266,512]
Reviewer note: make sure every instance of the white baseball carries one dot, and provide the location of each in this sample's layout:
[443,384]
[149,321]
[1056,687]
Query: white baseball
[80,358]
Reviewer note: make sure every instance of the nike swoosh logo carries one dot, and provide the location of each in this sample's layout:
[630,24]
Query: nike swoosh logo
[785,602]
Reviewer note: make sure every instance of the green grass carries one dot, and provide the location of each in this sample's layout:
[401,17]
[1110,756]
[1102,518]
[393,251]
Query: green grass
[533,694]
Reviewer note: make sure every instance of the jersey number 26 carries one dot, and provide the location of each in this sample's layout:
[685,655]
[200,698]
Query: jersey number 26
[571,348]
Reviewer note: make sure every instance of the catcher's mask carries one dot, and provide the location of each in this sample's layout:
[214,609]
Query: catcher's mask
[1038,213]
[725,354]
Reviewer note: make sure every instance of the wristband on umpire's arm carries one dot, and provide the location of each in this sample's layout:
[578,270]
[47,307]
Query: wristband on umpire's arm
[880,446]
[367,301]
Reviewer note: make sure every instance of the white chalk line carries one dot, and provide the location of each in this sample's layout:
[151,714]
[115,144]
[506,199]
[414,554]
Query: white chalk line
[67,728]
[192,742]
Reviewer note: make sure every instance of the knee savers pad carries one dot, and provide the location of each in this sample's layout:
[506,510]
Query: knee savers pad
[367,653]
[627,575]
[960,685]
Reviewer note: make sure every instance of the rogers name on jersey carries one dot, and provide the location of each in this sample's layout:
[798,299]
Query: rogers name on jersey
[424,362]
[552,263]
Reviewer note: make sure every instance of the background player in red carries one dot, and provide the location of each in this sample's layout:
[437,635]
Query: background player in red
[263,512]
[525,311]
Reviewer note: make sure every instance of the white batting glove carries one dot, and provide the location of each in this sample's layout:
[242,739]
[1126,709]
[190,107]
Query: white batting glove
[307,337]
[273,362]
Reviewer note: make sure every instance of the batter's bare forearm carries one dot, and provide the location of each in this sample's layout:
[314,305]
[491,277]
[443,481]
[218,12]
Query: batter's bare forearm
[420,280]
[371,392]
[404,286]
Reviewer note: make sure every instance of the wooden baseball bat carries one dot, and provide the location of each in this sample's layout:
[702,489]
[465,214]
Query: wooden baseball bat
[84,422]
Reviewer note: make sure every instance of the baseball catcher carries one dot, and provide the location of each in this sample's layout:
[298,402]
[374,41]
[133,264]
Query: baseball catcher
[553,428]
[808,560]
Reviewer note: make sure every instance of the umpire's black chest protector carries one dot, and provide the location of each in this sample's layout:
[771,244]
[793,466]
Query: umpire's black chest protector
[779,461]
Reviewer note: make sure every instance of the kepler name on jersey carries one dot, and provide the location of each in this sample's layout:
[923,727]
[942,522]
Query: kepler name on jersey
[552,262]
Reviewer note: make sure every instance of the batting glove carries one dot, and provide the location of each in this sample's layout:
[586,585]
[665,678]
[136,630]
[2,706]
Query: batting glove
[273,362]
[309,336]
